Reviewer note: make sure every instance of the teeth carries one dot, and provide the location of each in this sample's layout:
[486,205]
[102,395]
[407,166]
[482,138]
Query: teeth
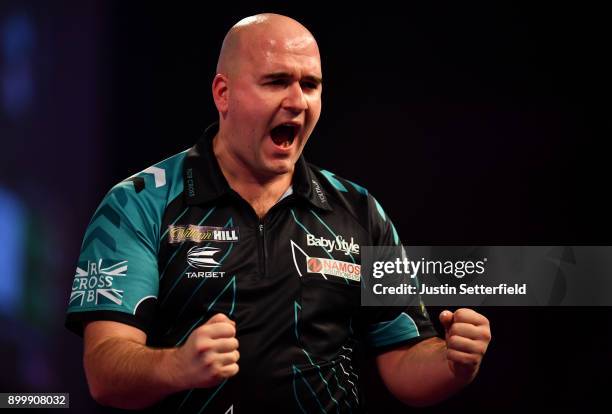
[289,133]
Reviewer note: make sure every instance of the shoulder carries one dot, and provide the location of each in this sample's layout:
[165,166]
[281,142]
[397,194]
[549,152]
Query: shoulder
[340,192]
[137,204]
[163,179]
[357,201]
[339,186]
[152,188]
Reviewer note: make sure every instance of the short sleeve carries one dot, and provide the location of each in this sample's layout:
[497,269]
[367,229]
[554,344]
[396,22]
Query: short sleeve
[390,327]
[116,277]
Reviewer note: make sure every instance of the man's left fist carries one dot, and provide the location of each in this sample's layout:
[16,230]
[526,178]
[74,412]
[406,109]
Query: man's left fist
[467,337]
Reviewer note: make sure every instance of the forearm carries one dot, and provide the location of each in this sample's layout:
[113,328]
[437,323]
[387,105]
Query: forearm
[422,376]
[125,374]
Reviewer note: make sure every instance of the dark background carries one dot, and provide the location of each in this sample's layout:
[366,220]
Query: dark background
[471,124]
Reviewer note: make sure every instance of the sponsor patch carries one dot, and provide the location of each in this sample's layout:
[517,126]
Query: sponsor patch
[205,275]
[93,282]
[202,257]
[336,244]
[199,234]
[332,267]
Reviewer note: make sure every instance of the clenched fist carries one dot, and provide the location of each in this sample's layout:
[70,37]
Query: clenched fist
[467,337]
[209,356]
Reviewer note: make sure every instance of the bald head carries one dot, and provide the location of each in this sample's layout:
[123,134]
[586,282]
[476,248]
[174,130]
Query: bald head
[262,32]
[267,91]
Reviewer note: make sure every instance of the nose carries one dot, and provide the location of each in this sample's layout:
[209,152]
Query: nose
[295,101]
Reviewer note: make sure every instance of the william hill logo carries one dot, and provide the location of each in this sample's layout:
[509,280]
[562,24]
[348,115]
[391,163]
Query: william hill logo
[199,234]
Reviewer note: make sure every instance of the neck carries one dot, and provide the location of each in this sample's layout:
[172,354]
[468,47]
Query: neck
[260,191]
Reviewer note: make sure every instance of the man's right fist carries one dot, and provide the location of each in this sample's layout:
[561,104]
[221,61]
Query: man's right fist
[209,356]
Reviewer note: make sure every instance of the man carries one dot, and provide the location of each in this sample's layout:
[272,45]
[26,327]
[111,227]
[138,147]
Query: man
[239,244]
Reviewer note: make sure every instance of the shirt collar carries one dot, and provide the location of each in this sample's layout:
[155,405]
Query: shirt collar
[204,181]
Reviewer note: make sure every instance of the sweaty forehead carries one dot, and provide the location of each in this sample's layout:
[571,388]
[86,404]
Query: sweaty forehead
[284,42]
[264,39]
[290,50]
[279,40]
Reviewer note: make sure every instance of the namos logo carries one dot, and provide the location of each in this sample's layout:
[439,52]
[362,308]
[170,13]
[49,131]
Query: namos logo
[333,268]
[323,266]
[314,265]
[336,244]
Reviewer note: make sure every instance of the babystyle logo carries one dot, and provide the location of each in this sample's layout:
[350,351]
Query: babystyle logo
[330,245]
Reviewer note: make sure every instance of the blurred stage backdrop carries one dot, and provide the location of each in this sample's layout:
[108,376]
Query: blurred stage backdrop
[472,124]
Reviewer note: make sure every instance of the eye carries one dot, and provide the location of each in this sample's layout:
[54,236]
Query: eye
[309,85]
[278,82]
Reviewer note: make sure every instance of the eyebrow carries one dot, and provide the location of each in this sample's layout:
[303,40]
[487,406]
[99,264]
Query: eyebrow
[285,75]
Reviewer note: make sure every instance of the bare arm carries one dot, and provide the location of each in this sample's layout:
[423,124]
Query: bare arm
[419,375]
[435,369]
[123,372]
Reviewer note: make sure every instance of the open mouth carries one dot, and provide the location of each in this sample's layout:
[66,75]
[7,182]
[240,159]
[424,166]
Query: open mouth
[283,135]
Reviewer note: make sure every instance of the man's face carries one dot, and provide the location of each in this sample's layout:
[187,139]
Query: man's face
[274,103]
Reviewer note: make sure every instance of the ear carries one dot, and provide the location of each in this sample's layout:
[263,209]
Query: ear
[220,93]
